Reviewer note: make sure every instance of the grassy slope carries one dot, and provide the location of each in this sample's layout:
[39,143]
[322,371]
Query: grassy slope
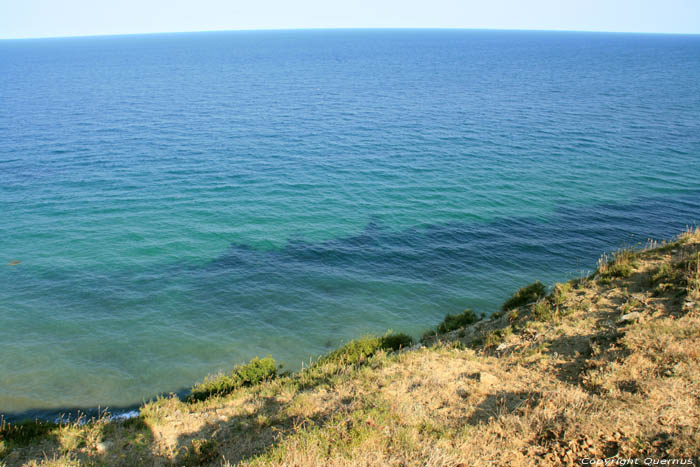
[555,380]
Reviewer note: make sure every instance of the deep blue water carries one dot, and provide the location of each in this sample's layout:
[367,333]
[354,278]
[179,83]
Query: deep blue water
[180,203]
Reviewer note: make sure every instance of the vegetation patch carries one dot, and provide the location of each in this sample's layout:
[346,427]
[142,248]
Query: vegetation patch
[396,341]
[24,433]
[452,322]
[561,293]
[18,435]
[542,310]
[525,295]
[201,451]
[256,371]
[621,265]
[693,277]
[359,350]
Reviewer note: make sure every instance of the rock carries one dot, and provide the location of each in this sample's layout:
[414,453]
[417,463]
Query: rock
[103,446]
[629,318]
[502,346]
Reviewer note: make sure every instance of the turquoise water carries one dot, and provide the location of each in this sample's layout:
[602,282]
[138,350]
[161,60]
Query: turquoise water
[180,203]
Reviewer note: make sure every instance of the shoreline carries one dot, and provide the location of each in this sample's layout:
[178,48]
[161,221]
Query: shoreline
[123,412]
[561,373]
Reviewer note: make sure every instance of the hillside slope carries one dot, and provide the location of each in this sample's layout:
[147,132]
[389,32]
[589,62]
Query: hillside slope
[604,366]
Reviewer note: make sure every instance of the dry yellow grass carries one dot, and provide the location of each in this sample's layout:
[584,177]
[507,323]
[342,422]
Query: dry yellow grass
[604,367]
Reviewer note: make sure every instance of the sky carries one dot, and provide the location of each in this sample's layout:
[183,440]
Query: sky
[56,18]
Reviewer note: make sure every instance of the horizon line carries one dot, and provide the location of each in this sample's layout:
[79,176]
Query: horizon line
[422,28]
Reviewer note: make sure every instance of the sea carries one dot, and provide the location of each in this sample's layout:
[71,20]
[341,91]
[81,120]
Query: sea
[175,204]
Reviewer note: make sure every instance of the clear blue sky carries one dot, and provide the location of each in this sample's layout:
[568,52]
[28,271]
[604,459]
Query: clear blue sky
[49,18]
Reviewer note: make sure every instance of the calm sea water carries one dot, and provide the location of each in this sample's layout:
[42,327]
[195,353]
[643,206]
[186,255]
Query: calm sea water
[180,203]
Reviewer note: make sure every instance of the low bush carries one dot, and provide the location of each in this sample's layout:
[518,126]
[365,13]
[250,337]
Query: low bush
[396,341]
[561,293]
[524,295]
[355,351]
[23,433]
[452,322]
[359,350]
[542,310]
[257,370]
[622,264]
[664,273]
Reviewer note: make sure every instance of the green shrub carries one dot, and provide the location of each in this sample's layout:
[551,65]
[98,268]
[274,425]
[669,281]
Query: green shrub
[452,322]
[542,310]
[621,270]
[664,272]
[212,386]
[622,264]
[23,433]
[525,295]
[396,341]
[13,435]
[257,370]
[355,351]
[561,293]
[359,350]
[680,273]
